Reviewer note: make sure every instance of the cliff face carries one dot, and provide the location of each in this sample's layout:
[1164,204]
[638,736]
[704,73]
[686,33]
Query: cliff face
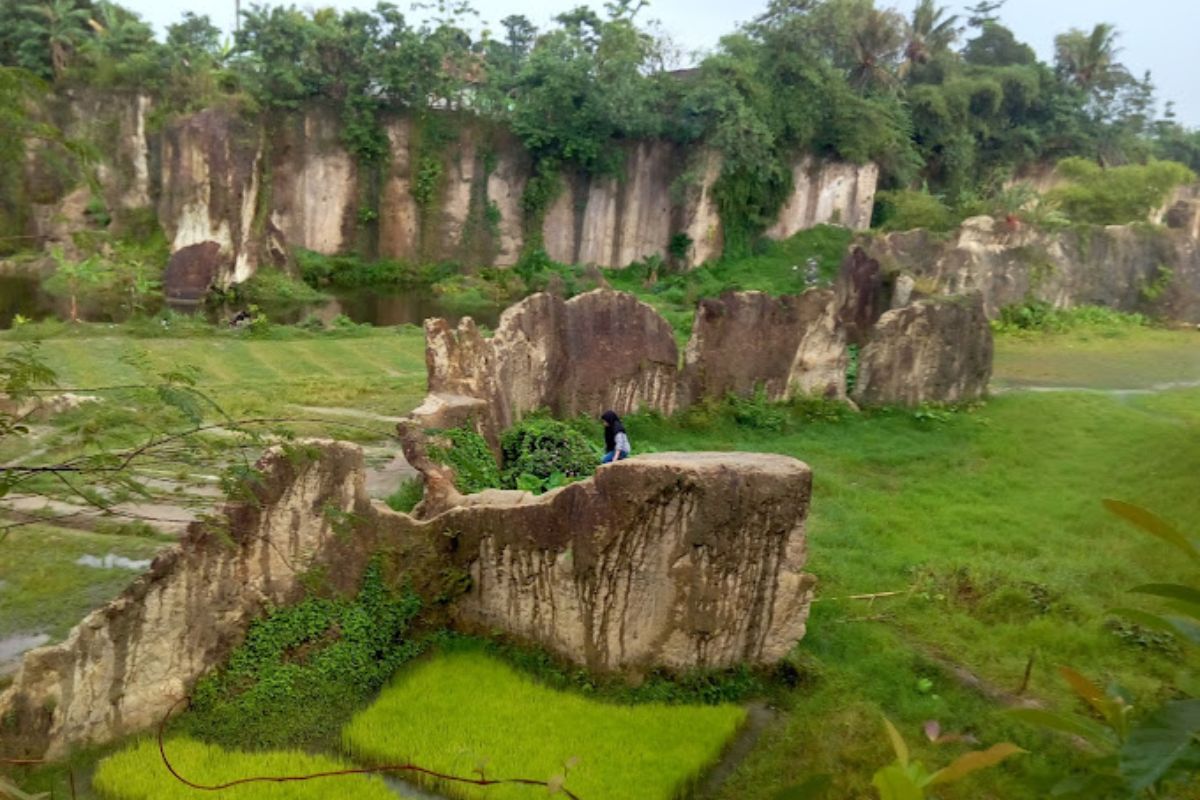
[1129,268]
[235,191]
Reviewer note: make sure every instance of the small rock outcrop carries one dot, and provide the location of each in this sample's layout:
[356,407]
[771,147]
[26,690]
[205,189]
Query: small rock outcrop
[932,351]
[600,350]
[675,560]
[862,295]
[785,345]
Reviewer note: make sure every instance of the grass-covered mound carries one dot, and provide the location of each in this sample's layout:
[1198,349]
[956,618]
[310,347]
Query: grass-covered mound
[137,773]
[460,710]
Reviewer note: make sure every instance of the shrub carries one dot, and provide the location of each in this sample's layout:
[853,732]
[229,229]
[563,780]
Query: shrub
[405,498]
[757,412]
[540,453]
[469,455]
[906,210]
[1038,315]
[268,286]
[1117,195]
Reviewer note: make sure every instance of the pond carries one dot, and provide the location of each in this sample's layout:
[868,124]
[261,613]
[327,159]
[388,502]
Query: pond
[23,294]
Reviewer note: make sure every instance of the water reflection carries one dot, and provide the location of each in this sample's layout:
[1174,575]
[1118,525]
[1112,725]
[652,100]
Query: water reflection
[23,294]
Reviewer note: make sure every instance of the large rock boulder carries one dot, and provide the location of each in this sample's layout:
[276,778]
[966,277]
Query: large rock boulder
[862,295]
[678,560]
[932,351]
[673,560]
[600,350]
[746,340]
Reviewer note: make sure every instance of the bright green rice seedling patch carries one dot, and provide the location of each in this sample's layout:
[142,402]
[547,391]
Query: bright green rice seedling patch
[459,710]
[138,773]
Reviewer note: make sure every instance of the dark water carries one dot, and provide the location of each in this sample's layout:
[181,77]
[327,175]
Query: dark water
[22,294]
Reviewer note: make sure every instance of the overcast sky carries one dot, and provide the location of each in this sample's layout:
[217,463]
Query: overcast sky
[1156,35]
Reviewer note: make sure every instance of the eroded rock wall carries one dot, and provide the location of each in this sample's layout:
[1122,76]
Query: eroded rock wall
[676,560]
[1129,268]
[745,340]
[451,188]
[127,663]
[682,560]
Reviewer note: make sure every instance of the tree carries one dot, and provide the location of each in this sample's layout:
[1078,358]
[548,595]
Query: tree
[1089,59]
[931,33]
[51,33]
[877,41]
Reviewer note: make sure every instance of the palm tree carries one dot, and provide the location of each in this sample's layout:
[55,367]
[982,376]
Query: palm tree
[877,41]
[1088,60]
[930,33]
[64,27]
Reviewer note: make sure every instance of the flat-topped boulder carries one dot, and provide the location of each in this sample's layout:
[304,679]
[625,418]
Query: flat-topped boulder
[678,560]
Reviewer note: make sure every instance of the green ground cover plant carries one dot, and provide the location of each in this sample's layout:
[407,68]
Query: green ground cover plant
[303,669]
[542,453]
[137,773]
[436,715]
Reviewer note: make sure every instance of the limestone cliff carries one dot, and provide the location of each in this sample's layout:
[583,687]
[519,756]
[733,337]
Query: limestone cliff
[232,192]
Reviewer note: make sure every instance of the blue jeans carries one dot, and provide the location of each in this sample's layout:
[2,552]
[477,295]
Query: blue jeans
[613,455]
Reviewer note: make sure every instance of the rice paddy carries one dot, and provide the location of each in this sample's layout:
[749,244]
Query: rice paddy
[464,711]
[138,773]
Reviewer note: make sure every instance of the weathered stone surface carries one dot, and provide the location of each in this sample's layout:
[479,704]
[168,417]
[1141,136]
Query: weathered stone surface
[671,560]
[678,559]
[745,340]
[839,193]
[862,295]
[210,190]
[314,189]
[1129,268]
[126,664]
[193,270]
[932,351]
[596,351]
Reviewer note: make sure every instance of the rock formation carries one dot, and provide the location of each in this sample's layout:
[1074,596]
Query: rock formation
[932,351]
[786,345]
[600,350]
[1129,268]
[675,560]
[681,560]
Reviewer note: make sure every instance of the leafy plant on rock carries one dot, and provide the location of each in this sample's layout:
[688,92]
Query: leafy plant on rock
[541,453]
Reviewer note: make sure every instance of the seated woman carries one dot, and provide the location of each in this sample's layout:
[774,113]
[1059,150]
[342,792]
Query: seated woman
[616,442]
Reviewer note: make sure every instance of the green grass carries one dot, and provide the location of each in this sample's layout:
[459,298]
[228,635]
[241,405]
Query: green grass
[456,711]
[137,773]
[45,591]
[1126,358]
[780,268]
[990,524]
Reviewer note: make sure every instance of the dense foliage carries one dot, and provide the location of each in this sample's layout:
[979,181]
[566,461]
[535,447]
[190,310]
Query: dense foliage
[541,452]
[304,665]
[957,106]
[469,455]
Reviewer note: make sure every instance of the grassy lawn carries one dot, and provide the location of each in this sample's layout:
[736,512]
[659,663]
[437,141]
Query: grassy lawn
[459,710]
[1130,358]
[137,773]
[990,525]
[45,591]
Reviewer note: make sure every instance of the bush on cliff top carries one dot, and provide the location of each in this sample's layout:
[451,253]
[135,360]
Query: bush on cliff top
[543,453]
[1116,195]
[472,460]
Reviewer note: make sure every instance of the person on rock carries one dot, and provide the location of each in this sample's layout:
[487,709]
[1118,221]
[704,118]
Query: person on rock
[616,441]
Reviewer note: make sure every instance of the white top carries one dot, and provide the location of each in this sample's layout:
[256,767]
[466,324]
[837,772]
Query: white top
[622,443]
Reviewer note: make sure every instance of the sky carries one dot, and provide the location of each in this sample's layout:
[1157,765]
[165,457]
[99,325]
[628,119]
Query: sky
[1156,35]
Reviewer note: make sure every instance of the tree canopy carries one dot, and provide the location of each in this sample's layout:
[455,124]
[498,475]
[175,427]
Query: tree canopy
[953,103]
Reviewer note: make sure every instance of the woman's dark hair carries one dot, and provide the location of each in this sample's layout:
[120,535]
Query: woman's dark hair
[611,430]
